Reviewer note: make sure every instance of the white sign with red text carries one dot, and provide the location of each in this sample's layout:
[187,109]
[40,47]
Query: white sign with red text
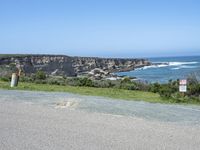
[183,82]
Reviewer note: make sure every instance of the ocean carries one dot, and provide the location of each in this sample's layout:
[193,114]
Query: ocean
[171,68]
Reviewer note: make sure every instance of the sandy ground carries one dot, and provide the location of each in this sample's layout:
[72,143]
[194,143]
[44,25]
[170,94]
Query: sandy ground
[25,126]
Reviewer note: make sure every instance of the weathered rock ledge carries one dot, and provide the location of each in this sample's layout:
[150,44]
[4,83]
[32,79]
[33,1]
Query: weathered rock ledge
[68,66]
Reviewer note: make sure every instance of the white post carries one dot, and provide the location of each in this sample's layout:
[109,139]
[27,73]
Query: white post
[14,80]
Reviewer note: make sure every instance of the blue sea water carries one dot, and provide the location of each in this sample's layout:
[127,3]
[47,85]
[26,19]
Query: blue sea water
[176,68]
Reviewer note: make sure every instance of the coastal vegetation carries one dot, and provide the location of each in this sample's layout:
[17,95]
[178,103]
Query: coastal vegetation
[13,55]
[119,89]
[83,90]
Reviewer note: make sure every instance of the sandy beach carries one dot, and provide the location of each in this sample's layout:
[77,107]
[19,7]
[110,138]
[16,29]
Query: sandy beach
[27,126]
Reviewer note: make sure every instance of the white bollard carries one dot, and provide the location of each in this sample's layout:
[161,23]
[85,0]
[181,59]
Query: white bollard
[14,80]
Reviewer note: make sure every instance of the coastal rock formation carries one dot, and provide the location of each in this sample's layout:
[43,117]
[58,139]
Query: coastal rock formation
[86,64]
[66,65]
[98,74]
[50,64]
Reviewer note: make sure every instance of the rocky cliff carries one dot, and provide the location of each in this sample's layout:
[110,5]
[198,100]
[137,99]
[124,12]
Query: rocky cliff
[67,66]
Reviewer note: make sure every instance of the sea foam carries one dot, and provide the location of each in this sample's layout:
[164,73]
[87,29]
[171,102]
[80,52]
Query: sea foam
[179,65]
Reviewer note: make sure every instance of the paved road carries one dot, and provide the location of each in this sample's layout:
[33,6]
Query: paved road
[27,126]
[35,126]
[150,111]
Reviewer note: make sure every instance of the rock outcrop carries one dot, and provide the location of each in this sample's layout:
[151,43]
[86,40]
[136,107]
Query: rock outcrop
[68,66]
[55,65]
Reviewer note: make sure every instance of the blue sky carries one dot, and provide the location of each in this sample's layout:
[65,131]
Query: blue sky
[106,28]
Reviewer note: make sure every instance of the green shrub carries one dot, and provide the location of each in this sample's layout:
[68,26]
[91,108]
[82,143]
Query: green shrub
[40,81]
[142,86]
[193,78]
[6,79]
[26,79]
[56,81]
[80,82]
[166,91]
[193,89]
[72,81]
[40,75]
[128,86]
[85,82]
[101,84]
[154,87]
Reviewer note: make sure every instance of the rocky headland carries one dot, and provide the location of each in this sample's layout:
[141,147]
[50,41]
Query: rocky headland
[67,66]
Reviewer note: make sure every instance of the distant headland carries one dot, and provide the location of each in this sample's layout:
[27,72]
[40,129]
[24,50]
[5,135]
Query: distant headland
[63,65]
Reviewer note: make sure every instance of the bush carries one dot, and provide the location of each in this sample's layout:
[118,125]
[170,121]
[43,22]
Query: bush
[165,91]
[193,85]
[40,75]
[26,79]
[128,86]
[194,78]
[103,83]
[72,81]
[142,86]
[40,81]
[85,82]
[6,79]
[154,87]
[56,81]
[193,89]
[80,82]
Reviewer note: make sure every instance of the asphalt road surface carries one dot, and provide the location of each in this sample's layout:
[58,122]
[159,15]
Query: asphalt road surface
[35,126]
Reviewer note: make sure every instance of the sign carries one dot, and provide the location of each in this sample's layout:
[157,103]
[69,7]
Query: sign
[183,82]
[183,86]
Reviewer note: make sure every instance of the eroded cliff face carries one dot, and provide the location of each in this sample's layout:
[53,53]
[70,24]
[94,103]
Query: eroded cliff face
[86,64]
[68,66]
[54,65]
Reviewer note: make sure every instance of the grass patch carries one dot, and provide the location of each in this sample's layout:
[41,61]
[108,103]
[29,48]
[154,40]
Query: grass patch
[105,92]
[115,93]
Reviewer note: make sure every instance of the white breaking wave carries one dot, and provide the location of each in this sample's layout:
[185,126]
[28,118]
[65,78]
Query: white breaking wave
[179,65]
[184,67]
[152,66]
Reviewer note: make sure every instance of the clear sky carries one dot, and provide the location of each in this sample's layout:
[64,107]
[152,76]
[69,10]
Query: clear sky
[108,28]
